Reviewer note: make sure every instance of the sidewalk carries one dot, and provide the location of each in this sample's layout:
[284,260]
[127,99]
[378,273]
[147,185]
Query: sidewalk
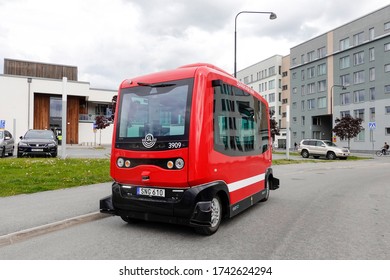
[23,212]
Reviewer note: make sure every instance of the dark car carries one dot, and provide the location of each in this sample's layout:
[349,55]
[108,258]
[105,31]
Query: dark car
[38,143]
[6,143]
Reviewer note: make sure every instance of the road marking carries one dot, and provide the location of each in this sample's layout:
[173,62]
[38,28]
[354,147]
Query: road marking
[22,235]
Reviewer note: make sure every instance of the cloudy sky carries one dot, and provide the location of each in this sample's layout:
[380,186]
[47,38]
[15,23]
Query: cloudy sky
[110,40]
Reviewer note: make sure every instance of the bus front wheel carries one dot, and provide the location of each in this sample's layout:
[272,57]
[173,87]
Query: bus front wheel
[216,217]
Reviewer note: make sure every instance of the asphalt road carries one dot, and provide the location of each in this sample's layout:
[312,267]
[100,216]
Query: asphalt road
[329,210]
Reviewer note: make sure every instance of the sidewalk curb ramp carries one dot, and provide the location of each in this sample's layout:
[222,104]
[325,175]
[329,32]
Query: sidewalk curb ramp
[22,235]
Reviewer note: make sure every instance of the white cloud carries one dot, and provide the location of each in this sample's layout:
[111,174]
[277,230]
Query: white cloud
[110,40]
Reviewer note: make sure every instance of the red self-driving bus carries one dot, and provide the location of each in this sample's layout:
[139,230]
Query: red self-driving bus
[190,146]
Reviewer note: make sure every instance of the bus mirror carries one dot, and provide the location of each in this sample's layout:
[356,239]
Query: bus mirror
[216,83]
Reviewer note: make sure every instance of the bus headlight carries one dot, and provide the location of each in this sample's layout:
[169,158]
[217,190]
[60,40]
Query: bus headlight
[179,163]
[120,162]
[127,163]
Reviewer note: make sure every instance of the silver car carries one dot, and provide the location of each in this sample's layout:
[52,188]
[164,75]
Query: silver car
[7,143]
[324,148]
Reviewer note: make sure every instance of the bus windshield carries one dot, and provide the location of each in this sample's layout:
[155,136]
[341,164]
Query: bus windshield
[161,110]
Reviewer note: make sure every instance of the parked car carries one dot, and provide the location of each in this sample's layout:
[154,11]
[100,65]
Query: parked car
[38,143]
[7,143]
[324,148]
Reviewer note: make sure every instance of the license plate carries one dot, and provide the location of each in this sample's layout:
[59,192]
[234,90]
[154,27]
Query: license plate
[151,192]
[37,150]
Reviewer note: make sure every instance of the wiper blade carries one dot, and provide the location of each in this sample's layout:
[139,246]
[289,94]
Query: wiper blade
[155,85]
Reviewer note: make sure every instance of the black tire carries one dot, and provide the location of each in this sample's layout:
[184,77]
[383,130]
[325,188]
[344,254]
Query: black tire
[2,154]
[130,220]
[11,154]
[331,156]
[267,190]
[379,153]
[216,217]
[305,153]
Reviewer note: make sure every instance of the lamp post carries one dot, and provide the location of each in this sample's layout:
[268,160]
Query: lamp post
[331,97]
[29,80]
[271,16]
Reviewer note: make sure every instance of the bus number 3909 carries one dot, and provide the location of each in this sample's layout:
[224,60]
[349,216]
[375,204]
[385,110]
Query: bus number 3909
[174,145]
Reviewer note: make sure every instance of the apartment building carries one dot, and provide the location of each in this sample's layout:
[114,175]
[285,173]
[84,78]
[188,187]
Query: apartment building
[345,71]
[266,78]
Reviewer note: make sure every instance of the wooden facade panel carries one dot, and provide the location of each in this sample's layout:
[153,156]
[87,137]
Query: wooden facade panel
[72,130]
[41,111]
[40,70]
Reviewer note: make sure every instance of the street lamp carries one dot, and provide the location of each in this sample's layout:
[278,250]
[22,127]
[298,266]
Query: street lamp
[271,16]
[331,96]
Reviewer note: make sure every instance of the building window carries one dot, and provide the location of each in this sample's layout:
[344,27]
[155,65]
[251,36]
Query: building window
[321,52]
[321,102]
[302,90]
[372,33]
[372,74]
[372,54]
[387,88]
[302,59]
[387,68]
[271,71]
[303,105]
[344,114]
[372,94]
[271,84]
[344,44]
[358,77]
[345,80]
[358,58]
[303,120]
[387,26]
[321,85]
[358,96]
[361,136]
[387,130]
[359,113]
[294,75]
[311,88]
[344,62]
[317,134]
[294,61]
[271,97]
[387,110]
[310,72]
[310,56]
[345,98]
[387,47]
[358,39]
[294,90]
[316,121]
[311,104]
[303,75]
[372,114]
[321,69]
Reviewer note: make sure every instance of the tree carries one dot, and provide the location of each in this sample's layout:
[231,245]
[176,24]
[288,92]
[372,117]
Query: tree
[273,125]
[101,122]
[347,128]
[113,103]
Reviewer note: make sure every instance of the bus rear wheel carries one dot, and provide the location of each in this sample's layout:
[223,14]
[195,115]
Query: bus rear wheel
[216,217]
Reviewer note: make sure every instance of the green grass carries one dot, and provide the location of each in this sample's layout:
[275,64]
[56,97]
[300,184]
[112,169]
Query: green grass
[30,175]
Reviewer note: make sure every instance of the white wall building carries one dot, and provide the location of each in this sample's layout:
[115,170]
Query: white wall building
[266,78]
[36,103]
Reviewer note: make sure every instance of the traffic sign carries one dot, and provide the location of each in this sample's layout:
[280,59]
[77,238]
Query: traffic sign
[371,125]
[2,124]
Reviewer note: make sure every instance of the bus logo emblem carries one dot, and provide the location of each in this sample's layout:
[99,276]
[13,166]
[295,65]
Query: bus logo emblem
[149,141]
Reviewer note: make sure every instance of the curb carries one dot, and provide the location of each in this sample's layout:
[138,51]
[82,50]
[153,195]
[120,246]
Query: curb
[22,235]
